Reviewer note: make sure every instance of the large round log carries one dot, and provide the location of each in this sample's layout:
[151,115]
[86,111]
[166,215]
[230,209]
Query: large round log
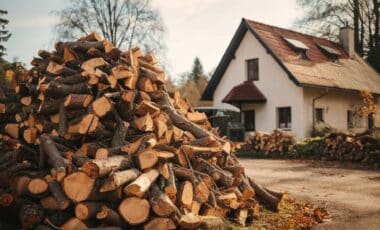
[134,210]
[78,186]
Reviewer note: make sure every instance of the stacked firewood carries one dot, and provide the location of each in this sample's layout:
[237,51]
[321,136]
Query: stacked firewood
[344,147]
[91,139]
[277,141]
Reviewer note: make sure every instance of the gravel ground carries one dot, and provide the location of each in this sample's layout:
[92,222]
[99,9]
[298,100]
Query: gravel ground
[350,192]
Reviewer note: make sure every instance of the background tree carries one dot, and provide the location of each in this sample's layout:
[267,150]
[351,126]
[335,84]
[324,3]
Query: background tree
[325,17]
[126,23]
[197,70]
[4,33]
[193,83]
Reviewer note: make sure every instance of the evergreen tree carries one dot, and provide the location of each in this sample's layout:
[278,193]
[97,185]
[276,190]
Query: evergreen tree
[4,33]
[197,70]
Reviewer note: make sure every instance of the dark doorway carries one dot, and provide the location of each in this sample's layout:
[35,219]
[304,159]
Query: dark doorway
[249,120]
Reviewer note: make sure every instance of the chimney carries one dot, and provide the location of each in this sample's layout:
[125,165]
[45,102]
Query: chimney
[346,39]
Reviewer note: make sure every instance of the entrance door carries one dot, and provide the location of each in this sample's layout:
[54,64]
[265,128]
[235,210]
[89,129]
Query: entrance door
[249,120]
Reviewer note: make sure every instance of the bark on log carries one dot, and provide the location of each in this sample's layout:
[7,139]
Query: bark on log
[271,201]
[56,160]
[110,217]
[103,167]
[57,192]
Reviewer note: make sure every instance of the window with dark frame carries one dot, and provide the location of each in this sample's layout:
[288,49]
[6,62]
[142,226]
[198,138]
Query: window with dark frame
[249,120]
[350,119]
[319,115]
[284,118]
[371,121]
[253,69]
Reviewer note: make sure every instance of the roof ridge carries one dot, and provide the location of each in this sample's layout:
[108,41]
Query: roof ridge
[292,31]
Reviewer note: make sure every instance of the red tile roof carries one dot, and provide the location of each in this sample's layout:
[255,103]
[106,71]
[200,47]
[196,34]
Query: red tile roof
[273,37]
[245,92]
[350,73]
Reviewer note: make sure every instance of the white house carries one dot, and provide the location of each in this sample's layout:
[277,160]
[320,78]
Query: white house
[280,78]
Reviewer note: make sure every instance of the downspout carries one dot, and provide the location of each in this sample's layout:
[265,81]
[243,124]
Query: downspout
[313,109]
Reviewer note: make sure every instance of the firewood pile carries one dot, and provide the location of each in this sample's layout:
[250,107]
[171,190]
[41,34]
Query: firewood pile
[277,141]
[91,139]
[344,147]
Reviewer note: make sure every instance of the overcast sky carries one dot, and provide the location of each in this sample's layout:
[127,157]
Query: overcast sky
[200,28]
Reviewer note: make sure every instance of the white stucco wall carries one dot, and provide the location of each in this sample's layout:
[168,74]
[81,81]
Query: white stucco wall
[273,82]
[335,105]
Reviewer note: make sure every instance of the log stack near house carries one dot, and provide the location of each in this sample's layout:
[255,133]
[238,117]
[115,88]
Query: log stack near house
[90,139]
[268,143]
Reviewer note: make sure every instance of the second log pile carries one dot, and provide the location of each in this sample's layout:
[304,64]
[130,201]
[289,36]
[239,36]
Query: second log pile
[91,139]
[277,141]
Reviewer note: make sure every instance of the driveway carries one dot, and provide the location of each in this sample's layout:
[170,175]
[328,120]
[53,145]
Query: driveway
[351,194]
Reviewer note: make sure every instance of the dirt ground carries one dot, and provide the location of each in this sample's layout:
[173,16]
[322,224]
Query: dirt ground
[350,193]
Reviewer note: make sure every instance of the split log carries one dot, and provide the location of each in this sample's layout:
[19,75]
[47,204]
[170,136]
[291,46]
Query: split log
[118,179]
[147,159]
[161,204]
[101,106]
[141,184]
[144,123]
[185,194]
[140,211]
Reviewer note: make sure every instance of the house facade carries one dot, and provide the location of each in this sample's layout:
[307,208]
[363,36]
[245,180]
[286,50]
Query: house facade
[280,78]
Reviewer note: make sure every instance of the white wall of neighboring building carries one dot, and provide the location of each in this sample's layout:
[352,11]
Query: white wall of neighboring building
[273,82]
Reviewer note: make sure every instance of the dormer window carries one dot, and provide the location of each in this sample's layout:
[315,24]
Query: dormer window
[298,46]
[330,52]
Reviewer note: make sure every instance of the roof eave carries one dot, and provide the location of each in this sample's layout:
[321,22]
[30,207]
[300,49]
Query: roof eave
[229,54]
[306,85]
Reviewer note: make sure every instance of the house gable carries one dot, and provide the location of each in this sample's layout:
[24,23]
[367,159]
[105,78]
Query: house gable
[229,55]
[273,83]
